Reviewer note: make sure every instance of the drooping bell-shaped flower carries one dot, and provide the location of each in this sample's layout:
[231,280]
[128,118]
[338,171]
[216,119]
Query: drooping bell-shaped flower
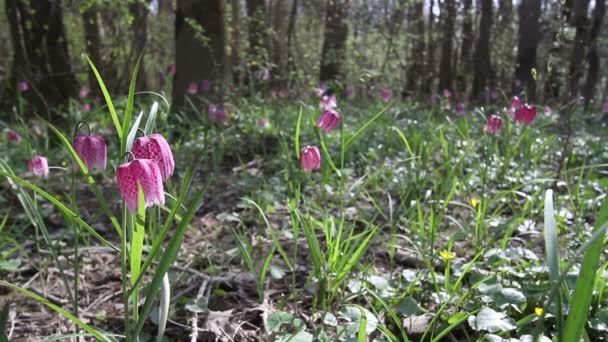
[514,105]
[493,124]
[329,120]
[84,92]
[86,107]
[548,111]
[605,107]
[386,94]
[310,158]
[155,147]
[92,150]
[39,166]
[525,114]
[264,74]
[206,85]
[192,88]
[171,69]
[459,108]
[145,172]
[262,122]
[12,135]
[328,102]
[24,86]
[321,90]
[447,93]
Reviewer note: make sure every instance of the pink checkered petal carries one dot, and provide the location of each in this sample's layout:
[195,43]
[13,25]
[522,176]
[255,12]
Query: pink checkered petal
[145,172]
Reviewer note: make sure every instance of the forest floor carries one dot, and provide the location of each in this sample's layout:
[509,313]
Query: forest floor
[421,227]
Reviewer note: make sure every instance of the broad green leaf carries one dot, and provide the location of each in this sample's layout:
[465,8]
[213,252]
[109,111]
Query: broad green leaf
[106,96]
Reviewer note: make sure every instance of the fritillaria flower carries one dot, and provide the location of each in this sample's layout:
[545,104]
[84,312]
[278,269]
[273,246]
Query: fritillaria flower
[206,85]
[12,135]
[459,108]
[447,93]
[192,88]
[262,122]
[525,114]
[92,151]
[329,120]
[548,110]
[39,166]
[321,90]
[23,86]
[605,107]
[328,102]
[386,94]
[216,114]
[86,107]
[171,69]
[84,92]
[155,147]
[514,105]
[310,158]
[493,124]
[264,74]
[145,172]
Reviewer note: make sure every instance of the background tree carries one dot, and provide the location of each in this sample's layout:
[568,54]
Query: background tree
[593,58]
[529,13]
[483,67]
[417,49]
[258,37]
[280,23]
[200,40]
[334,42]
[580,21]
[466,53]
[139,40]
[448,17]
[40,54]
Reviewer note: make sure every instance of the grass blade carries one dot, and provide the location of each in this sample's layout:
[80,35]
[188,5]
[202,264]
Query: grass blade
[129,110]
[354,137]
[552,257]
[106,96]
[583,293]
[97,334]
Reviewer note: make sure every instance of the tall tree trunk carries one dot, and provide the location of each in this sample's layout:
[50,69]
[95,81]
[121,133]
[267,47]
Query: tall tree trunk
[235,43]
[429,70]
[483,67]
[593,56]
[466,50]
[581,22]
[528,37]
[279,42]
[258,38]
[291,38]
[334,43]
[448,14]
[90,22]
[415,69]
[200,39]
[41,55]
[139,27]
[394,25]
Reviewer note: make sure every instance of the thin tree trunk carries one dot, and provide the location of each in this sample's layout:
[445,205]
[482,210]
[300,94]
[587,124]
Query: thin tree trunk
[483,66]
[445,67]
[291,38]
[581,22]
[593,56]
[415,69]
[41,55]
[258,39]
[197,60]
[139,27]
[279,41]
[235,43]
[466,50]
[430,53]
[334,43]
[90,21]
[528,37]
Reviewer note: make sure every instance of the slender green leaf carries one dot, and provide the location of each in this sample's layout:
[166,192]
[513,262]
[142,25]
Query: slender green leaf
[129,109]
[96,333]
[149,129]
[133,132]
[354,137]
[583,293]
[106,96]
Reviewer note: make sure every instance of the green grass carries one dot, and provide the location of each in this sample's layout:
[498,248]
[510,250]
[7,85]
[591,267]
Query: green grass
[365,243]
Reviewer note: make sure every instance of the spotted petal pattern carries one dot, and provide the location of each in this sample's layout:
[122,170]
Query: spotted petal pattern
[310,158]
[145,172]
[92,150]
[155,147]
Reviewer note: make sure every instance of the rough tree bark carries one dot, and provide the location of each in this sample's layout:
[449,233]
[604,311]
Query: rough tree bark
[139,29]
[334,42]
[291,38]
[429,70]
[92,38]
[41,55]
[483,67]
[200,40]
[581,22]
[593,58]
[235,43]
[258,33]
[448,14]
[415,69]
[466,50]
[280,24]
[528,37]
